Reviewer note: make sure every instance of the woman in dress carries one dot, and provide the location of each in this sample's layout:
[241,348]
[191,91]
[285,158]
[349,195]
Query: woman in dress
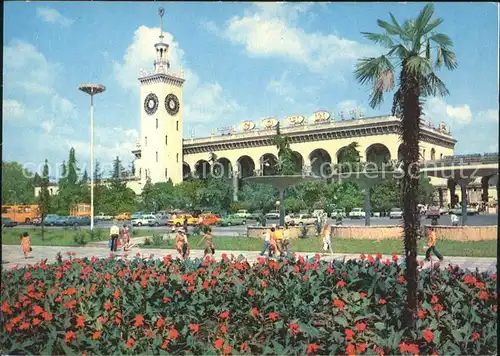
[209,242]
[125,238]
[25,244]
[326,239]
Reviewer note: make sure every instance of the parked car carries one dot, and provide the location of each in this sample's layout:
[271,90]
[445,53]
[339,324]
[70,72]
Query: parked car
[356,213]
[78,221]
[7,222]
[209,219]
[51,220]
[318,212]
[338,213]
[159,220]
[256,215]
[102,216]
[470,211]
[62,220]
[231,220]
[179,220]
[433,212]
[142,219]
[396,213]
[302,219]
[123,216]
[273,215]
[243,214]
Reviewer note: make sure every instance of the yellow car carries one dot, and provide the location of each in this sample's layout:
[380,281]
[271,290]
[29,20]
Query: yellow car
[178,220]
[123,216]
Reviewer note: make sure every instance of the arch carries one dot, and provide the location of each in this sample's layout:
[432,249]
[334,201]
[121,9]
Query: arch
[186,171]
[268,164]
[343,154]
[222,167]
[202,169]
[433,154]
[400,153]
[298,161]
[378,153]
[246,166]
[321,163]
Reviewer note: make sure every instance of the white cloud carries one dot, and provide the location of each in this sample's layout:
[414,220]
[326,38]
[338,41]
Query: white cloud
[53,16]
[12,109]
[271,30]
[439,110]
[488,115]
[203,101]
[283,88]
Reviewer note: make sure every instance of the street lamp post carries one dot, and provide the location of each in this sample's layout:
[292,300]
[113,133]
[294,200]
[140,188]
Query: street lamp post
[92,89]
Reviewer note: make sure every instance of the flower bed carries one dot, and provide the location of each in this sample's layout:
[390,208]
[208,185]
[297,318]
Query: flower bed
[154,306]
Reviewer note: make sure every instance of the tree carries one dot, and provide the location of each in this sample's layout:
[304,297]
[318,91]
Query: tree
[44,197]
[17,186]
[285,165]
[386,195]
[411,48]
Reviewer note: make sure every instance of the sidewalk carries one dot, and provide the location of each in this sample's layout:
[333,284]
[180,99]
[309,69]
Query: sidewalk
[12,255]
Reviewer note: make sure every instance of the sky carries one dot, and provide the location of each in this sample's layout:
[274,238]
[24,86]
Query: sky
[242,61]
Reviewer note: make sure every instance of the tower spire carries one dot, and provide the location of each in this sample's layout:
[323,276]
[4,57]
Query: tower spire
[161,12]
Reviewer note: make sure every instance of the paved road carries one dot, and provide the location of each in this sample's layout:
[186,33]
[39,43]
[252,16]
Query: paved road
[12,256]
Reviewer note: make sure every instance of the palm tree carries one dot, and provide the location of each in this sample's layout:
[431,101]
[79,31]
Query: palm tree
[285,164]
[416,50]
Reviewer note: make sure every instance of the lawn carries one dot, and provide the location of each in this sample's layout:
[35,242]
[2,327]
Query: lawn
[65,237]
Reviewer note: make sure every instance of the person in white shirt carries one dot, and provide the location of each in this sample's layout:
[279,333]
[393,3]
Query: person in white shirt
[267,239]
[114,234]
[454,219]
[327,243]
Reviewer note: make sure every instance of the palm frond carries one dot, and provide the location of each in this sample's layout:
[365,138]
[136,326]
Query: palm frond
[423,18]
[449,58]
[418,66]
[400,50]
[369,69]
[441,39]
[390,29]
[396,103]
[431,85]
[376,98]
[395,23]
[439,59]
[432,25]
[379,38]
[428,50]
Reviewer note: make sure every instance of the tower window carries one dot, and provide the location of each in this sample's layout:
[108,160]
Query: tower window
[166,173]
[156,123]
[156,156]
[166,140]
[146,141]
[177,157]
[177,125]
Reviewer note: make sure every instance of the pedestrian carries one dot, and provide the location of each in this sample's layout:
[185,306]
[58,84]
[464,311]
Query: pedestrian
[279,240]
[200,221]
[125,238]
[114,233]
[326,239]
[454,219]
[431,245]
[185,225]
[26,244]
[286,240]
[267,245]
[273,243]
[185,246]
[209,243]
[179,242]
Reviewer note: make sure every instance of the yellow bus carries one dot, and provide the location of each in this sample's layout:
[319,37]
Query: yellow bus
[80,210]
[22,214]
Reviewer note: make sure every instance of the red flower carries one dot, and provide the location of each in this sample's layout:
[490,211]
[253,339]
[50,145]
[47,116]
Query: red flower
[224,315]
[379,255]
[174,334]
[349,334]
[273,316]
[96,335]
[160,322]
[350,350]
[395,257]
[421,313]
[370,259]
[36,321]
[411,348]
[116,294]
[24,326]
[219,343]
[312,348]
[36,309]
[264,284]
[401,279]
[165,344]
[70,335]
[47,316]
[428,335]
[360,348]
[360,326]
[223,329]
[341,284]
[475,336]
[80,321]
[382,301]
[362,295]
[69,291]
[494,276]
[130,343]
[194,328]
[338,303]
[479,285]
[483,295]
[250,293]
[139,320]
[362,257]
[294,329]
[254,312]
[469,279]
[244,347]
[227,350]
[434,299]
[438,308]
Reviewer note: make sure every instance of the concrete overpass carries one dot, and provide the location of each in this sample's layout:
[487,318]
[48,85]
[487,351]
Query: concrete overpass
[462,170]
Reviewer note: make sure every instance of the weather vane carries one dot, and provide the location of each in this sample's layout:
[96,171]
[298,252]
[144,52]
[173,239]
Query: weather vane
[161,12]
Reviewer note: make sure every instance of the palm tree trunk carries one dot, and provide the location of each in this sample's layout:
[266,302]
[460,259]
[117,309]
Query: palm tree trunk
[410,132]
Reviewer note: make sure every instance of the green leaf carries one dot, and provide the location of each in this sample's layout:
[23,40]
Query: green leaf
[457,334]
[380,326]
[341,321]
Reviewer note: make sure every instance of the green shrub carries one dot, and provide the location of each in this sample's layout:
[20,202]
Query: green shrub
[147,241]
[157,239]
[79,237]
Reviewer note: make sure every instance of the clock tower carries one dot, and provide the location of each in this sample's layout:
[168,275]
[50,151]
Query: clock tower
[161,119]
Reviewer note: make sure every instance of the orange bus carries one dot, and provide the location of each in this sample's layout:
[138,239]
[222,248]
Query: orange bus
[80,210]
[22,214]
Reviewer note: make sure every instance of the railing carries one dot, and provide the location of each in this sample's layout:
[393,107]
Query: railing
[468,159]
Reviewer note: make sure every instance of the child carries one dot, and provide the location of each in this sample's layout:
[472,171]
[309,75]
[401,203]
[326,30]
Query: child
[25,244]
[431,246]
[327,244]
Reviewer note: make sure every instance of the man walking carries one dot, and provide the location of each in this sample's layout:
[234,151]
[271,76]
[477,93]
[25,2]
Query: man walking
[114,233]
[431,246]
[267,238]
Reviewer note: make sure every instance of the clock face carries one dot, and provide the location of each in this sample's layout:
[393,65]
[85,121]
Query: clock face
[172,104]
[151,104]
